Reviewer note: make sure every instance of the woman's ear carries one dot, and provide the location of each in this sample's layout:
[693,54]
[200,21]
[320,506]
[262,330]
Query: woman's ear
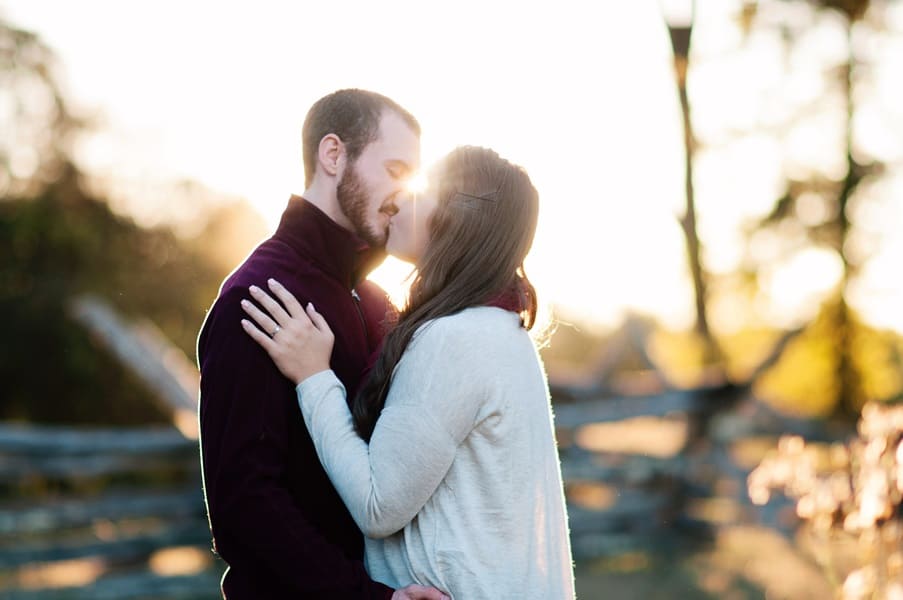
[331,154]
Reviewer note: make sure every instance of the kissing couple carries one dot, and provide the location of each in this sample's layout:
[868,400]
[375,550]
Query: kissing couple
[354,450]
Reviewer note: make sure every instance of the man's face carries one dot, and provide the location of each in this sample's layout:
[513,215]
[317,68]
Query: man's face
[369,187]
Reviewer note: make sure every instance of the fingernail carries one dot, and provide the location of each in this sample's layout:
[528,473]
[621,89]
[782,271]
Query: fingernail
[310,306]
[272,281]
[254,289]
[245,303]
[244,322]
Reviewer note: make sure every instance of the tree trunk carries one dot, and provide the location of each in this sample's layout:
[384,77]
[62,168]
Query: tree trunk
[680,43]
[847,376]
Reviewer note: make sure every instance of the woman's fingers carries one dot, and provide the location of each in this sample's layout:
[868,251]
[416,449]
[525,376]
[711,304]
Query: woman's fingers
[288,300]
[258,336]
[276,311]
[298,346]
[260,317]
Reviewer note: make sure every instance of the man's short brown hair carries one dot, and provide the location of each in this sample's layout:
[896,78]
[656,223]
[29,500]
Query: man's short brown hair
[351,114]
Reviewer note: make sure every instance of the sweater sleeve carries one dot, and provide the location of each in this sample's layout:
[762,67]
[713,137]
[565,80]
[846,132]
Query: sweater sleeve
[250,508]
[432,406]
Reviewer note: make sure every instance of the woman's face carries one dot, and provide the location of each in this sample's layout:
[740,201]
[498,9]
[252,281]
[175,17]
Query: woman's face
[408,232]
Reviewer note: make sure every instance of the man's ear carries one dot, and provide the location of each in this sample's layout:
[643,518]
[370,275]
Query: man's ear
[331,154]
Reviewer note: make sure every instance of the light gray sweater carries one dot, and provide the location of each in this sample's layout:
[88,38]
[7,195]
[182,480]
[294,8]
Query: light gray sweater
[460,487]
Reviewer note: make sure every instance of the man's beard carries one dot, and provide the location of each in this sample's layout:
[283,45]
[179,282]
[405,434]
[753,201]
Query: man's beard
[353,200]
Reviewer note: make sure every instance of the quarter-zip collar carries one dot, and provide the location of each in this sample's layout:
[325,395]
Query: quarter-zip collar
[340,253]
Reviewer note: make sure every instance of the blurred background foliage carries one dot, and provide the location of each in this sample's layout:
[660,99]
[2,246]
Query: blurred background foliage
[833,190]
[63,234]
[60,238]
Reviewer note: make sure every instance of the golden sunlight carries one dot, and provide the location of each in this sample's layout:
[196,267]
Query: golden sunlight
[417,183]
[591,113]
[61,574]
[394,276]
[182,560]
[640,435]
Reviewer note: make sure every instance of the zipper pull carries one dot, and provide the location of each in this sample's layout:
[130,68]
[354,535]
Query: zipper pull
[360,313]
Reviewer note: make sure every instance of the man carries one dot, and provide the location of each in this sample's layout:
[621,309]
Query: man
[275,517]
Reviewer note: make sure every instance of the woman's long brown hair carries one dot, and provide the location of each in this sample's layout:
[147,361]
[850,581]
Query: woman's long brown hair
[479,235]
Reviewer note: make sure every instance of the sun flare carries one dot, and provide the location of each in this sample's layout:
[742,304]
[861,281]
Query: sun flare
[417,183]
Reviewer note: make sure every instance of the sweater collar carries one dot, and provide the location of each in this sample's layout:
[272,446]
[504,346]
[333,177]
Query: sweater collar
[513,298]
[337,251]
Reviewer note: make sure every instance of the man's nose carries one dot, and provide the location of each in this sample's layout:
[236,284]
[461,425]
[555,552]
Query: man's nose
[404,198]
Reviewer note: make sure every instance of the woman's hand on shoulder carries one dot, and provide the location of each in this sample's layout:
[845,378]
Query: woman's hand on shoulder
[297,338]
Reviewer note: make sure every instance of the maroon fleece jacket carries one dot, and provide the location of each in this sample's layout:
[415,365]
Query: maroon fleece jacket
[275,517]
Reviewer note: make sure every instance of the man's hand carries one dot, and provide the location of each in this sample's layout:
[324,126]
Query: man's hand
[419,592]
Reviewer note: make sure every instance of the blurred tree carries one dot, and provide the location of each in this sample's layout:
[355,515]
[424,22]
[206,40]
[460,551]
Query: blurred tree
[35,119]
[679,17]
[817,202]
[62,243]
[228,234]
[59,240]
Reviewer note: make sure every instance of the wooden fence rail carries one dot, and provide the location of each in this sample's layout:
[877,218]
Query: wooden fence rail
[102,512]
[116,500]
[118,513]
[36,440]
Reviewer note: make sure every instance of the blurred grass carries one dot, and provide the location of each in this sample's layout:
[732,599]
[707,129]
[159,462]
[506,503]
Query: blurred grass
[744,562]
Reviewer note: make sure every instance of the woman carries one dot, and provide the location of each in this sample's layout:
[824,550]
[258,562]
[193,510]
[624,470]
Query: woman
[447,460]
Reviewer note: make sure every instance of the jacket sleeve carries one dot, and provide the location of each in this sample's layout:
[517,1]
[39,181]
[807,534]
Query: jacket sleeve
[432,406]
[244,445]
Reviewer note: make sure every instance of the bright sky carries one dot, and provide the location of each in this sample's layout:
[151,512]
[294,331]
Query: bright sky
[580,93]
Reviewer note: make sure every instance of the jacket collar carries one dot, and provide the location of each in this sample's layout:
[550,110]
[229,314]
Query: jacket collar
[337,251]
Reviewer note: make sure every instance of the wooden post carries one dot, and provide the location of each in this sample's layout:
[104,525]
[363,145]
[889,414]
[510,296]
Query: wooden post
[144,349]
